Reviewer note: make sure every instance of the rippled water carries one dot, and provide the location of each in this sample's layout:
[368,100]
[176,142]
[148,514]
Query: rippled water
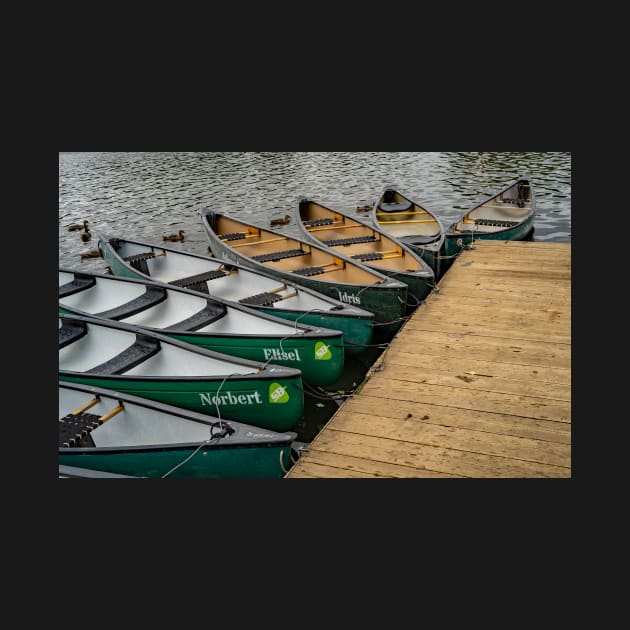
[147,195]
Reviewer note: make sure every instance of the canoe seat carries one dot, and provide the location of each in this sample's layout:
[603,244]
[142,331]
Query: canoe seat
[79,283]
[400,206]
[368,256]
[287,253]
[71,331]
[75,429]
[496,222]
[261,299]
[151,297]
[138,261]
[349,241]
[233,236]
[140,351]
[207,315]
[317,222]
[519,202]
[198,281]
[309,271]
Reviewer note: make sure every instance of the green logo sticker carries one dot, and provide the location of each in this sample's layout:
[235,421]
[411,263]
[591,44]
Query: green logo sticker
[278,393]
[322,351]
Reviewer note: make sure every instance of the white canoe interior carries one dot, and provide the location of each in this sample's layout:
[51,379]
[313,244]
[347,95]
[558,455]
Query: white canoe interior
[289,255]
[236,285]
[110,293]
[501,212]
[399,216]
[132,424]
[102,343]
[357,240]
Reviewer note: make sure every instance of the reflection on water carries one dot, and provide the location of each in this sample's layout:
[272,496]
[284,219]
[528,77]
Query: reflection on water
[147,195]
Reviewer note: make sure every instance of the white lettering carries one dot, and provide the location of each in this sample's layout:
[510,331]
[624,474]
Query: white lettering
[276,354]
[228,398]
[349,298]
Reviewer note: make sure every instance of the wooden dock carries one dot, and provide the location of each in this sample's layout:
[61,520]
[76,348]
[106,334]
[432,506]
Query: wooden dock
[476,384]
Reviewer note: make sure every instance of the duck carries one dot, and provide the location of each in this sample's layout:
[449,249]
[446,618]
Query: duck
[86,236]
[364,208]
[94,253]
[284,221]
[78,226]
[174,237]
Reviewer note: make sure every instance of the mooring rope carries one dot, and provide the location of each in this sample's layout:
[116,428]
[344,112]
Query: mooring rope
[212,436]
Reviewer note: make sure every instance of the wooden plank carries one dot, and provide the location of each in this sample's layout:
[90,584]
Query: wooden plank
[472,365]
[488,308]
[418,432]
[477,383]
[503,350]
[430,458]
[480,382]
[504,424]
[382,386]
[323,464]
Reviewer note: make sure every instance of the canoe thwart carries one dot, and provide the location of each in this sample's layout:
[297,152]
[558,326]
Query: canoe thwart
[368,256]
[310,271]
[79,283]
[349,241]
[140,351]
[138,261]
[265,298]
[198,281]
[287,253]
[378,214]
[207,315]
[71,331]
[233,236]
[151,297]
[496,222]
[318,222]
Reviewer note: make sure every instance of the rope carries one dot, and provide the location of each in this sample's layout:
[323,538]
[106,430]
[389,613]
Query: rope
[284,470]
[212,437]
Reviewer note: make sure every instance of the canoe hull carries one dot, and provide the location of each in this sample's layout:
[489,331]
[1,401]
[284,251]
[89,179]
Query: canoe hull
[109,433]
[387,303]
[236,462]
[317,352]
[353,238]
[276,405]
[357,327]
[412,224]
[456,241]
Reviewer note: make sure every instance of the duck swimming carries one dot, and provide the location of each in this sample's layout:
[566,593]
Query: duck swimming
[86,236]
[95,253]
[284,221]
[364,208]
[174,237]
[78,226]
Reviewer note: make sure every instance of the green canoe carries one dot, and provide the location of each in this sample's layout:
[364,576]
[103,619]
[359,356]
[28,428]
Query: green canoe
[505,216]
[133,360]
[105,433]
[410,223]
[368,244]
[208,322]
[236,283]
[294,259]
